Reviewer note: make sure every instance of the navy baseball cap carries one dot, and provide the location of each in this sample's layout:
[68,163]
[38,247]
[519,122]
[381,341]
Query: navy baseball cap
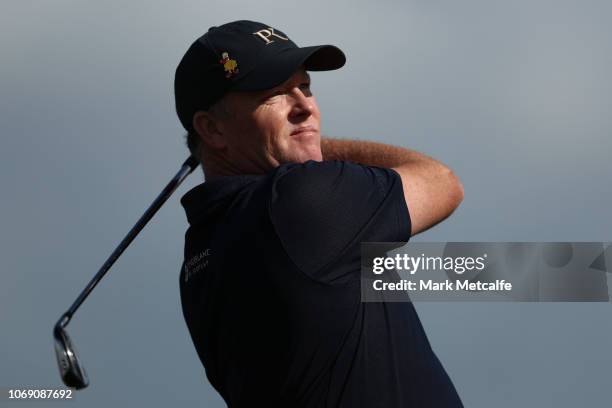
[242,56]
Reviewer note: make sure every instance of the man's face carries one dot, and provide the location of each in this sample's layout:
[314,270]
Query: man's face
[267,128]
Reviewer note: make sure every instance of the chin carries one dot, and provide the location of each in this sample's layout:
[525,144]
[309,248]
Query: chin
[310,154]
[302,154]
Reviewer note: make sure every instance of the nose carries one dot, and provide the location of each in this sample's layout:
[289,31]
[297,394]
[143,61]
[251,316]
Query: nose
[302,105]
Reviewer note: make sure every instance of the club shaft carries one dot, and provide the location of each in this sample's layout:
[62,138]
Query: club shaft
[187,167]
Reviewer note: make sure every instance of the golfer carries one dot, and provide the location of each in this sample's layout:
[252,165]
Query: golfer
[270,285]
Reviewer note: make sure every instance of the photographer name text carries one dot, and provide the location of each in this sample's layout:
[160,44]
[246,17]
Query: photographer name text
[447,285]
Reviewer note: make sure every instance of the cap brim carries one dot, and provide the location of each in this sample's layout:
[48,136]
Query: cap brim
[279,68]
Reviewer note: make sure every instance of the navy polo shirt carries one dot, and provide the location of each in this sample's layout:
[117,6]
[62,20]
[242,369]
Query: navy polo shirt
[270,291]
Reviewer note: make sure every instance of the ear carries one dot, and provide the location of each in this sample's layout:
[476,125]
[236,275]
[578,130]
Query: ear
[207,127]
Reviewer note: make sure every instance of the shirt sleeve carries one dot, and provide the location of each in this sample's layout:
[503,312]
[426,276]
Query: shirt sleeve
[322,211]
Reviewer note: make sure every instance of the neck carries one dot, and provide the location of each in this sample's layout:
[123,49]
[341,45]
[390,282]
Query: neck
[216,166]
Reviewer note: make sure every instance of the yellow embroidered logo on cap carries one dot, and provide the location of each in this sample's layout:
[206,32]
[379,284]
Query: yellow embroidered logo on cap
[230,65]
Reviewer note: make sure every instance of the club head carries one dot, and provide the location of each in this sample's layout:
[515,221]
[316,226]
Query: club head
[72,372]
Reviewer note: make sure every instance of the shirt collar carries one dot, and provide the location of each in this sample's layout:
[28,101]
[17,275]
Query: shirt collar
[208,197]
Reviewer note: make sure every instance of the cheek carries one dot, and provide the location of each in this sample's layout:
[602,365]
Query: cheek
[273,125]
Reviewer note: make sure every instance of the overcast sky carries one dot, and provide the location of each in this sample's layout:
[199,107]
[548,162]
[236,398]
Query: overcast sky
[515,96]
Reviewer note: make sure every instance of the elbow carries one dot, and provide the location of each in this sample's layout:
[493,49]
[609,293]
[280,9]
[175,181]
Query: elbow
[458,192]
[454,189]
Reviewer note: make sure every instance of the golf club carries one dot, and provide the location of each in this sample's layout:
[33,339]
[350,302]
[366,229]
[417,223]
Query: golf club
[71,370]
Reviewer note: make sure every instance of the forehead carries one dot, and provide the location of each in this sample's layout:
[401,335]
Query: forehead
[295,79]
[298,75]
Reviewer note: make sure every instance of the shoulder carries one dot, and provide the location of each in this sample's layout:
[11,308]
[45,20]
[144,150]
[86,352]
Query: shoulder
[331,177]
[323,194]
[321,210]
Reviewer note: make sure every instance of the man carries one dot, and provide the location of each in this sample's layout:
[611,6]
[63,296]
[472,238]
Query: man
[270,286]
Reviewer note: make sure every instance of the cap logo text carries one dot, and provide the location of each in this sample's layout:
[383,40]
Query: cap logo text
[265,35]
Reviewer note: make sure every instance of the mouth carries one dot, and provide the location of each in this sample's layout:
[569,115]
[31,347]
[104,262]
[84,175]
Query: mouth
[305,131]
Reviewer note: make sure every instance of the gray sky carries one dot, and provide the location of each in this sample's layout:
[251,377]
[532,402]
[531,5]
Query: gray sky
[514,96]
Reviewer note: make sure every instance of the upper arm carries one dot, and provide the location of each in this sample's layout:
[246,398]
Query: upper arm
[432,192]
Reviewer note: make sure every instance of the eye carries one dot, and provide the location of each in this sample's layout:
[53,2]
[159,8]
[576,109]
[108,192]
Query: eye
[272,95]
[305,88]
[278,92]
